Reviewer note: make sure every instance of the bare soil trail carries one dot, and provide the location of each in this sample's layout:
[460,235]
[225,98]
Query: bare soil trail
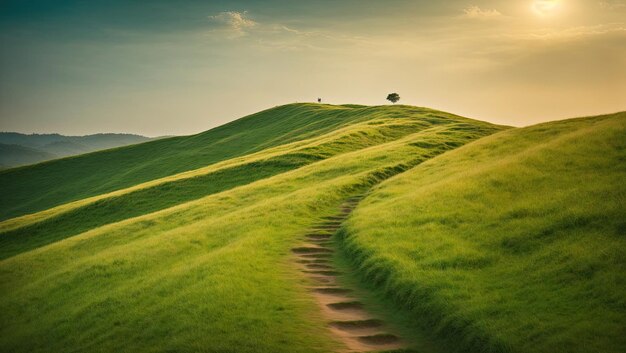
[348,317]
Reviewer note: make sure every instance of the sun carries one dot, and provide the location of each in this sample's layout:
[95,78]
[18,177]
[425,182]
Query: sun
[545,8]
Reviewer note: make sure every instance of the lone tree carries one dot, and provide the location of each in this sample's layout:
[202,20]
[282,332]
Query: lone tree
[393,97]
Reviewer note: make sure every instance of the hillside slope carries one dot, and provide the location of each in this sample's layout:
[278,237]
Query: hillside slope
[493,239]
[29,232]
[513,243]
[179,276]
[34,188]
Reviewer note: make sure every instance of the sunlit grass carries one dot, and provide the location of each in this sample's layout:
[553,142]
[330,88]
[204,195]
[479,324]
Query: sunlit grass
[33,231]
[512,243]
[39,187]
[208,274]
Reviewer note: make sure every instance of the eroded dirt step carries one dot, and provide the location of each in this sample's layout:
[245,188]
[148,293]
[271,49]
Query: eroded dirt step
[332,290]
[346,210]
[335,218]
[312,250]
[323,272]
[327,244]
[379,339]
[319,236]
[326,227]
[319,267]
[346,305]
[313,261]
[357,325]
[356,332]
[336,223]
[325,280]
[315,255]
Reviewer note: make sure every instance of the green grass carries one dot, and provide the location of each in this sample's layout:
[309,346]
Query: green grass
[514,243]
[178,189]
[211,274]
[39,187]
[484,239]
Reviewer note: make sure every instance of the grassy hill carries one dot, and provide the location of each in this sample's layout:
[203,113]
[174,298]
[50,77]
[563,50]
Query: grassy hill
[21,149]
[479,240]
[513,243]
[39,187]
[145,198]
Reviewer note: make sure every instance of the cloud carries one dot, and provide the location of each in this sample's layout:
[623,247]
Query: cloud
[235,22]
[280,27]
[476,12]
[229,25]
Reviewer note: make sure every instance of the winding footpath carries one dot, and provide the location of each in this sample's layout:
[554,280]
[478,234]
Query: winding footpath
[348,318]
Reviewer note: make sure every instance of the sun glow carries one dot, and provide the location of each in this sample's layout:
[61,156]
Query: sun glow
[545,8]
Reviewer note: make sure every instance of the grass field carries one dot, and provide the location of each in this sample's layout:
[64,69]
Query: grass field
[38,187]
[150,197]
[513,243]
[493,239]
[210,274]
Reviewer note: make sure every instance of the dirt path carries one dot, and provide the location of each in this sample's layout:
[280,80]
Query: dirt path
[348,318]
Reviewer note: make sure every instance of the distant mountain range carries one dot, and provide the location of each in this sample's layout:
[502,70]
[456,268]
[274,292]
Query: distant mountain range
[21,149]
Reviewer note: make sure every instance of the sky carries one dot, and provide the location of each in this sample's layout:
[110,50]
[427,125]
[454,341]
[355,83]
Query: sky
[181,67]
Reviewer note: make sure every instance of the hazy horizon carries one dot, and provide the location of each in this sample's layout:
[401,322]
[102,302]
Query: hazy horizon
[158,68]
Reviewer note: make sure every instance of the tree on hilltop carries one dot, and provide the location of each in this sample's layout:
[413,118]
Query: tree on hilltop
[393,97]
